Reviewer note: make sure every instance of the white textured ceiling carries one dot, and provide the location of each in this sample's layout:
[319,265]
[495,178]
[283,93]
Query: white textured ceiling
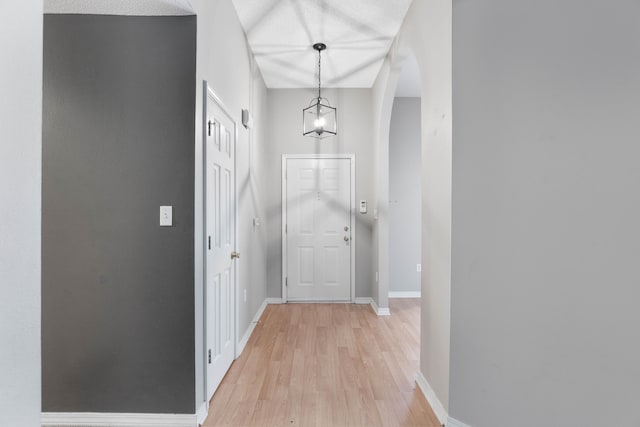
[120,7]
[358,35]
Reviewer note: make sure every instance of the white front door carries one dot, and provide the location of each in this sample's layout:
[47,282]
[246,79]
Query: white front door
[318,229]
[220,131]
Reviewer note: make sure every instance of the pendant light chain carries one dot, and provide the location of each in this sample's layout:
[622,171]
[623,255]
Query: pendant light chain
[319,70]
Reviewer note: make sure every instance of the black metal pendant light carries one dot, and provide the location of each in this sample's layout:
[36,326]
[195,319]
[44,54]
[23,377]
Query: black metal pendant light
[319,119]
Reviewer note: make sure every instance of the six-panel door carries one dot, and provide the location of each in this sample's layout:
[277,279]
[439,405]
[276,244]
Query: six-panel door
[220,243]
[318,229]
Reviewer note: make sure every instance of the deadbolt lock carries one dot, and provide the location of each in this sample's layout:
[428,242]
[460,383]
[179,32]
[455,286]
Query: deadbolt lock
[346,228]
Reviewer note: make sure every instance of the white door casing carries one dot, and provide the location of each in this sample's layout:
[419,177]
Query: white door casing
[220,241]
[318,214]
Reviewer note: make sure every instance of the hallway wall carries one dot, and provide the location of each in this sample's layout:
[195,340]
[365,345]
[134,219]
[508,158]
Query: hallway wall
[546,207]
[118,302]
[426,34]
[226,63]
[285,137]
[405,195]
[20,207]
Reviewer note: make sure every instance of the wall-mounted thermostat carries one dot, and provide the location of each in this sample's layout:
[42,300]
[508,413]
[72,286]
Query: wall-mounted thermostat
[363,206]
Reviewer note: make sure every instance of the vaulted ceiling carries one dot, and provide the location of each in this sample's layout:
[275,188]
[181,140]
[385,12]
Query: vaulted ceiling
[358,35]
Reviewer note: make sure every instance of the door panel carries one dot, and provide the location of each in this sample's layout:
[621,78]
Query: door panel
[318,229]
[220,232]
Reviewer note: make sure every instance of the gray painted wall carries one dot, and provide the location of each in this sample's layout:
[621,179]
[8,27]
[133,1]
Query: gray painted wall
[545,213]
[285,137]
[20,193]
[117,290]
[405,196]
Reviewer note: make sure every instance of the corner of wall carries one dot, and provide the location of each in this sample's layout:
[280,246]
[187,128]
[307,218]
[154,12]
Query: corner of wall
[20,214]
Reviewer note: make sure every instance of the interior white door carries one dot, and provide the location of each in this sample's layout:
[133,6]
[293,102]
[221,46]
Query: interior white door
[220,243]
[318,229]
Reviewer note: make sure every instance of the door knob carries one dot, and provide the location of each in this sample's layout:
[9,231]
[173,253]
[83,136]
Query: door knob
[346,228]
[235,254]
[346,239]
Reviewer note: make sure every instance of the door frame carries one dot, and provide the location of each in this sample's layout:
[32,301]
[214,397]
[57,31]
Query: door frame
[210,94]
[352,158]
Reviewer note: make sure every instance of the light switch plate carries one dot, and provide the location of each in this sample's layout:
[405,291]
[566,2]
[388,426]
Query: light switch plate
[363,206]
[166,216]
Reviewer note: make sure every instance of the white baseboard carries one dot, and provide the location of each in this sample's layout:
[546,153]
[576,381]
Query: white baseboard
[452,422]
[202,413]
[405,294]
[377,310]
[430,395]
[380,311]
[274,300]
[374,306]
[245,338]
[99,419]
[368,301]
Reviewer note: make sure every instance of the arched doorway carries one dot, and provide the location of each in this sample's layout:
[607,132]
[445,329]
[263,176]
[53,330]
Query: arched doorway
[433,57]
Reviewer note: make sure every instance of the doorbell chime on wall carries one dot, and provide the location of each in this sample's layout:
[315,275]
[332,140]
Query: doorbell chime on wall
[247,119]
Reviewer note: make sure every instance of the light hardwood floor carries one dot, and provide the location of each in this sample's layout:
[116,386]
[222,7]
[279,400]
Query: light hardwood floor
[327,365]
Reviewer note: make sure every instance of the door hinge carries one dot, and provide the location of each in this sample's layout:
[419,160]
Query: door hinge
[286,228]
[286,281]
[209,356]
[209,242]
[209,123]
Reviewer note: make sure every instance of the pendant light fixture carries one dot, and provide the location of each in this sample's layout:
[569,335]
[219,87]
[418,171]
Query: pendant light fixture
[319,118]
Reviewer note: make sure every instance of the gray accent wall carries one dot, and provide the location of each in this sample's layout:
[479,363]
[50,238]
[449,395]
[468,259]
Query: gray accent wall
[20,194]
[118,142]
[546,205]
[405,196]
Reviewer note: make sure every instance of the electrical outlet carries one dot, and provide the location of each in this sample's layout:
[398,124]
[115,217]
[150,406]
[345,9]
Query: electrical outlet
[245,295]
[418,268]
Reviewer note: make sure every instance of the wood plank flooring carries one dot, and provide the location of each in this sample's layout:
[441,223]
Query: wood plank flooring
[321,365]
